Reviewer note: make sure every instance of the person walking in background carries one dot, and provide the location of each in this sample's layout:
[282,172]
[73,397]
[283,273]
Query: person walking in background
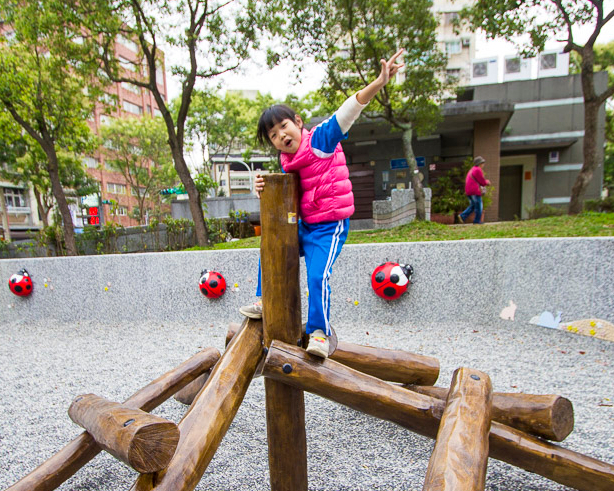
[474,181]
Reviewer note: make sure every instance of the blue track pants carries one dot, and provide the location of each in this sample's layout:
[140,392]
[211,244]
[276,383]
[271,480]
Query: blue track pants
[321,244]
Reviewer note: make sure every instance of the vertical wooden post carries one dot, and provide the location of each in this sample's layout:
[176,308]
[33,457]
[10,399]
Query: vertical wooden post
[459,460]
[281,304]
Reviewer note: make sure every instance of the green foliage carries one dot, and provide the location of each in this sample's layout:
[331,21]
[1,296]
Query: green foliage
[604,205]
[238,224]
[178,232]
[449,190]
[543,210]
[138,149]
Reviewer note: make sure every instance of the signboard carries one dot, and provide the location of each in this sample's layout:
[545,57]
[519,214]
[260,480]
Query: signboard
[420,161]
[90,200]
[398,164]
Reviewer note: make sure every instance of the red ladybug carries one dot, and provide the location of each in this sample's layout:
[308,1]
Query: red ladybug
[212,284]
[21,284]
[390,280]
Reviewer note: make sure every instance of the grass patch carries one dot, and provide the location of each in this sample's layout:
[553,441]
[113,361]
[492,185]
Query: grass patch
[588,224]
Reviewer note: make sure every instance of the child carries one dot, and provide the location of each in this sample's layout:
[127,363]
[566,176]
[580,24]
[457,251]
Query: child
[326,201]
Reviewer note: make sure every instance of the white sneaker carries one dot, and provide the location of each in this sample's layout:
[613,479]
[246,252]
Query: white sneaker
[318,344]
[253,311]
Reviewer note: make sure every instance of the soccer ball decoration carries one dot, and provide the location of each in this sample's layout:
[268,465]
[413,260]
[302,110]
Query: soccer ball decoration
[390,280]
[21,284]
[212,284]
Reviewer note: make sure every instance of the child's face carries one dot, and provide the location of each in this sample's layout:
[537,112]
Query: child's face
[286,135]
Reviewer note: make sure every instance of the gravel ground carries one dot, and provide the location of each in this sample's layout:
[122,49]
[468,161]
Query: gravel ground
[44,366]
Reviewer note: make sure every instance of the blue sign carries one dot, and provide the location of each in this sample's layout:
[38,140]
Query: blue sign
[420,161]
[398,164]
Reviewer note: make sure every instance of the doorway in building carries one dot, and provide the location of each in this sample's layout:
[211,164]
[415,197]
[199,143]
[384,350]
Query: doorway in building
[510,192]
[363,187]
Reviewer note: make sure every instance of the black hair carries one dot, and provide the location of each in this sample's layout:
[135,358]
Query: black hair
[269,118]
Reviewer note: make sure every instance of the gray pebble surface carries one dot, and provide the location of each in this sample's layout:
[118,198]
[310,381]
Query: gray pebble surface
[44,365]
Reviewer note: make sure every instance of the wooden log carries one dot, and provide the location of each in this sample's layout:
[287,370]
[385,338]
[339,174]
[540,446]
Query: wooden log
[188,393]
[421,414]
[460,456]
[57,469]
[387,364]
[210,415]
[143,441]
[547,416]
[281,305]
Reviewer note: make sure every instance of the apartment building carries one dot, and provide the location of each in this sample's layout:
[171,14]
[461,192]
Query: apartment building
[22,214]
[129,101]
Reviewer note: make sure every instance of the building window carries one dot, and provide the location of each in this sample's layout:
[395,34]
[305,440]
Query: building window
[105,119]
[121,211]
[127,64]
[90,162]
[480,69]
[116,188]
[512,65]
[132,108]
[453,47]
[142,190]
[127,43]
[14,198]
[131,88]
[450,17]
[452,74]
[157,112]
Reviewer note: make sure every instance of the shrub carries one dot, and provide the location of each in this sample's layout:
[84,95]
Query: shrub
[543,210]
[605,205]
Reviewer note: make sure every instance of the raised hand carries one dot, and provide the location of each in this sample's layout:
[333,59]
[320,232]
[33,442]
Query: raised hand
[390,68]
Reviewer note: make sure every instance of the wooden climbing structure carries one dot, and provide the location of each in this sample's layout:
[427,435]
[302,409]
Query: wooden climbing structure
[469,422]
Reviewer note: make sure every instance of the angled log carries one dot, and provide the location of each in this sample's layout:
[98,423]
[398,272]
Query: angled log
[141,440]
[188,393]
[57,469]
[547,416]
[460,456]
[281,305]
[421,414]
[210,415]
[391,365]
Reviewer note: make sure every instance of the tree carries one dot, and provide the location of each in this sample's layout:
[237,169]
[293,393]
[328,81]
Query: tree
[138,149]
[543,20]
[352,36]
[213,37]
[43,92]
[608,161]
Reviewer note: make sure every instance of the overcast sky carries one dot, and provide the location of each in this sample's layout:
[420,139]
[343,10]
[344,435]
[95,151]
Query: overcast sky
[280,81]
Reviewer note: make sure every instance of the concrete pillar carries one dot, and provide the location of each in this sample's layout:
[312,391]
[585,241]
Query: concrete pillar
[487,143]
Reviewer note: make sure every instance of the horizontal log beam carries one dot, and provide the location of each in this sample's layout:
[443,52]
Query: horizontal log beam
[547,416]
[460,456]
[57,469]
[387,364]
[421,414]
[188,393]
[141,440]
[210,415]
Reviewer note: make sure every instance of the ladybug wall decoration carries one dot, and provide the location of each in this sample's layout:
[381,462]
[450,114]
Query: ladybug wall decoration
[390,280]
[21,283]
[212,284]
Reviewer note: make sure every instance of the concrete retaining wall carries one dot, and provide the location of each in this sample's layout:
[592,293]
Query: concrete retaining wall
[469,281]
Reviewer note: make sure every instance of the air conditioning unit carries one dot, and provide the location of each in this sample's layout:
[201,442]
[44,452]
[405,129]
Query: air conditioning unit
[484,71]
[516,68]
[553,64]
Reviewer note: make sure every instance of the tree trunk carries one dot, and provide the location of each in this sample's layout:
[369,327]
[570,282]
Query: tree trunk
[5,216]
[589,150]
[60,198]
[202,238]
[589,145]
[413,170]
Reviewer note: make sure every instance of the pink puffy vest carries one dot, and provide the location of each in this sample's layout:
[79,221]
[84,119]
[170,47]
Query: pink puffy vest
[326,190]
